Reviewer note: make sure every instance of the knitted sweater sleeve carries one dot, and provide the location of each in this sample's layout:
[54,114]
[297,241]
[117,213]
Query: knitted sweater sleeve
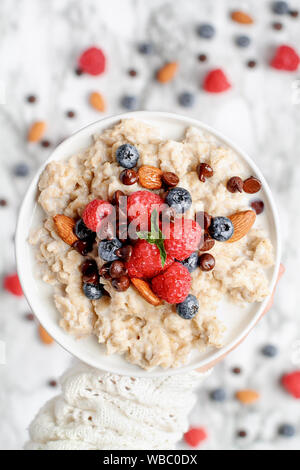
[97,410]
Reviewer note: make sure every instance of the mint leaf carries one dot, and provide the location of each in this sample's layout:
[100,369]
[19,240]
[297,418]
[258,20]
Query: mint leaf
[155,237]
[162,251]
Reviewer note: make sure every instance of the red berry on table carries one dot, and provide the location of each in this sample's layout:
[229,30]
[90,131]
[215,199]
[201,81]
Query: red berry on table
[145,261]
[291,383]
[141,204]
[92,61]
[195,436]
[182,238]
[285,58]
[216,82]
[12,284]
[95,212]
[173,285]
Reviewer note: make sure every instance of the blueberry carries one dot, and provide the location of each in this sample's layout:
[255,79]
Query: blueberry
[206,31]
[82,232]
[186,99]
[127,156]
[188,308]
[269,350]
[145,48]
[221,228]
[107,249]
[287,430]
[218,394]
[242,41]
[179,199]
[281,8]
[93,291]
[191,263]
[21,169]
[129,102]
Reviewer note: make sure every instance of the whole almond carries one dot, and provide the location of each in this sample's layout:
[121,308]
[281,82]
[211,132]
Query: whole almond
[167,72]
[241,17]
[36,131]
[44,336]
[97,101]
[145,290]
[247,396]
[242,222]
[150,177]
[64,226]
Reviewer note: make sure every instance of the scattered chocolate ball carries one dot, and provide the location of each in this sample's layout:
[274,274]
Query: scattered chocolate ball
[70,114]
[132,73]
[236,370]
[3,202]
[79,72]
[117,269]
[206,262]
[31,99]
[121,284]
[208,243]
[251,185]
[202,57]
[294,13]
[83,247]
[277,26]
[52,383]
[125,252]
[251,64]
[242,433]
[116,197]
[235,184]
[205,171]
[29,316]
[128,177]
[170,179]
[203,219]
[45,143]
[258,206]
[104,271]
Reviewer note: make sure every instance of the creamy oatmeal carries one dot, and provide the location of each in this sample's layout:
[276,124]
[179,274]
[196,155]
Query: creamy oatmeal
[125,322]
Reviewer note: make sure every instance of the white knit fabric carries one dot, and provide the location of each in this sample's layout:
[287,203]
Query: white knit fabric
[98,411]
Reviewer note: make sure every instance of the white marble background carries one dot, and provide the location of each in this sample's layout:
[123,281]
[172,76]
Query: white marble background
[39,44]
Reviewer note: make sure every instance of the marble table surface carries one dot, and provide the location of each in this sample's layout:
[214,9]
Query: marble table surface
[40,42]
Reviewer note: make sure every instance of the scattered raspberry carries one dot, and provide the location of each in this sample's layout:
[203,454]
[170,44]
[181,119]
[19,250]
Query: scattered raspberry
[140,205]
[285,58]
[194,436]
[216,82]
[92,61]
[145,261]
[12,284]
[95,212]
[173,285]
[182,238]
[291,383]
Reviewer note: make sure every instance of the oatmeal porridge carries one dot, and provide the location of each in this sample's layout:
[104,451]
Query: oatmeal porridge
[151,301]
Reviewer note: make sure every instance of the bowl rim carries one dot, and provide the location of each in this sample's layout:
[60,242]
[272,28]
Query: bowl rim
[99,126]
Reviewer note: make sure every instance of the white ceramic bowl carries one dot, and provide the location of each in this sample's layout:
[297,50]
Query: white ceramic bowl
[39,295]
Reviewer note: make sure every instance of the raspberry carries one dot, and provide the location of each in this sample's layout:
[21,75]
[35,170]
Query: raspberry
[140,205]
[12,284]
[182,238]
[194,436]
[285,58]
[216,81]
[291,383]
[95,212]
[174,284]
[145,260]
[92,61]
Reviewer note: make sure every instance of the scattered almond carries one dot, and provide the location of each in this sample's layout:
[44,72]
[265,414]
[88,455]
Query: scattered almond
[145,290]
[64,226]
[36,131]
[167,72]
[241,17]
[242,222]
[150,177]
[44,336]
[97,101]
[247,396]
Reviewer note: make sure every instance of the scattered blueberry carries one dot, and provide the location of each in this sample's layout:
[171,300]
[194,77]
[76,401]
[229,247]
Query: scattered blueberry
[218,394]
[127,156]
[179,199]
[129,102]
[287,430]
[281,8]
[82,232]
[206,31]
[21,169]
[107,249]
[269,350]
[145,48]
[221,228]
[92,291]
[242,41]
[191,263]
[188,308]
[186,99]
